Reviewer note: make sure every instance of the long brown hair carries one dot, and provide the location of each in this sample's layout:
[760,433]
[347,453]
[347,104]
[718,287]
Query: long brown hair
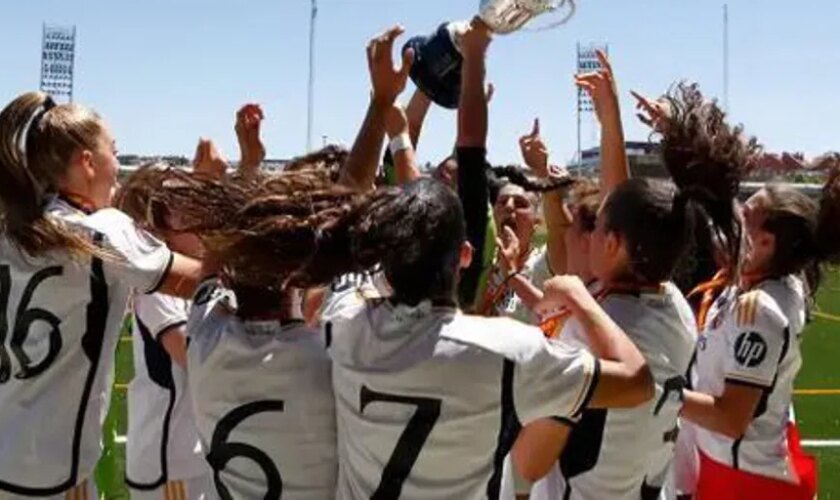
[807,231]
[300,229]
[37,140]
[706,158]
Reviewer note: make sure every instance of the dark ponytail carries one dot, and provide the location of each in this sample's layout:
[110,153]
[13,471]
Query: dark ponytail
[706,158]
[300,229]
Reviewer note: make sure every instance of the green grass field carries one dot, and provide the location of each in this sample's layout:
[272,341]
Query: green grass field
[818,415]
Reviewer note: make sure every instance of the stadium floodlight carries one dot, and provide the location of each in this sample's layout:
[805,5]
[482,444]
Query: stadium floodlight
[58,55]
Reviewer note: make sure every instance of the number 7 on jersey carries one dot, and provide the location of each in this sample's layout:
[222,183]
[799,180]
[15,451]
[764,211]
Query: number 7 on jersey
[409,444]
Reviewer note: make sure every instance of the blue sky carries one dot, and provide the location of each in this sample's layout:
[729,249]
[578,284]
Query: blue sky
[164,72]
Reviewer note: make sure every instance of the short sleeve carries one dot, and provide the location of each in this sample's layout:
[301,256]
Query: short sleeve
[557,381]
[158,312]
[756,341]
[140,260]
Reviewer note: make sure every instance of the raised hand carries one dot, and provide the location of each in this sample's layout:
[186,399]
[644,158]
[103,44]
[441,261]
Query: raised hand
[388,82]
[509,249]
[475,40]
[534,151]
[208,160]
[601,87]
[248,121]
[653,113]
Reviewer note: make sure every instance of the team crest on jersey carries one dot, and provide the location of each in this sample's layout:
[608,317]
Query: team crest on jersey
[750,349]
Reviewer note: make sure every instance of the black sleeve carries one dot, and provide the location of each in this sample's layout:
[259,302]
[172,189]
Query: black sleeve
[473,190]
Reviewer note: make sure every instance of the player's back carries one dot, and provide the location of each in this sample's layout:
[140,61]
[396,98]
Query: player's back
[429,400]
[59,324]
[263,401]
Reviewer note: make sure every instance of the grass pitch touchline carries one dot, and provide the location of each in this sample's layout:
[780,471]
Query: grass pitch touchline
[821,443]
[816,392]
[827,316]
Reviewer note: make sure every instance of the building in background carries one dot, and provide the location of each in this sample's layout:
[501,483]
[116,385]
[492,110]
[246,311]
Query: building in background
[644,159]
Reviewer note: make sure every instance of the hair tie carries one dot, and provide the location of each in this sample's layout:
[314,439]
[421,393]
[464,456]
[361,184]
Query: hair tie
[45,108]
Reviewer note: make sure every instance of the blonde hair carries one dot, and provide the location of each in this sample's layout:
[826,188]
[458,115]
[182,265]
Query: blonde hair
[37,141]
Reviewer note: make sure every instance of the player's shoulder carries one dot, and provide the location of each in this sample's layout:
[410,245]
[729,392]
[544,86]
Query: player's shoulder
[504,337]
[759,309]
[212,306]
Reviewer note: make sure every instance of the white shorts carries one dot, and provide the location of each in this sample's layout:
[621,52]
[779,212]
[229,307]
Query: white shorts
[197,488]
[686,461]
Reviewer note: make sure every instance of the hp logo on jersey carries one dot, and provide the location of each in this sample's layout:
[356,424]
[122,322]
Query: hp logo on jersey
[750,349]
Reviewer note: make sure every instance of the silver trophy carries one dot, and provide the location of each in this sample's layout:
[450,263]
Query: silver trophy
[437,57]
[507,16]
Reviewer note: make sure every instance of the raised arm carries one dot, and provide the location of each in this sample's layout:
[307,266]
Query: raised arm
[209,160]
[558,218]
[625,380]
[416,111]
[400,146]
[252,151]
[601,86]
[471,156]
[360,169]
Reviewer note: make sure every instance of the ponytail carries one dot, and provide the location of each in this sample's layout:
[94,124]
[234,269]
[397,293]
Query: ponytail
[706,158]
[300,229]
[37,140]
[499,176]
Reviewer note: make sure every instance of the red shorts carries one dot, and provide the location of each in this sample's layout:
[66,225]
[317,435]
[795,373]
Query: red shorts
[721,482]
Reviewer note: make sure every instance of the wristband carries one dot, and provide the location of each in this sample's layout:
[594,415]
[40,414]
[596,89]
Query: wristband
[399,143]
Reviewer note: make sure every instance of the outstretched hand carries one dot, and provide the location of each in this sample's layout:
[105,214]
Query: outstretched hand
[653,113]
[388,82]
[248,121]
[534,151]
[208,160]
[601,87]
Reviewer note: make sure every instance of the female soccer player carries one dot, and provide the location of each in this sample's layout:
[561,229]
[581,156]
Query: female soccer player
[164,457]
[625,453]
[749,355]
[67,267]
[258,377]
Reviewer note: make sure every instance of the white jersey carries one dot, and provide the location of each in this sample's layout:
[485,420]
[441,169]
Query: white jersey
[60,323]
[163,442]
[509,304]
[627,453]
[429,400]
[752,338]
[263,402]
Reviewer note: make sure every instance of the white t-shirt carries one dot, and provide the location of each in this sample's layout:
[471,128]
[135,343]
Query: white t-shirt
[536,269]
[752,338]
[429,400]
[263,402]
[60,325]
[163,442]
[625,453]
